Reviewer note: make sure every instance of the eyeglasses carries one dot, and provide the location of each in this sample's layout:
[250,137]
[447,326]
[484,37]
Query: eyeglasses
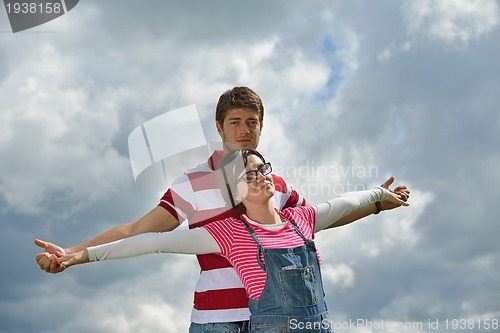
[250,176]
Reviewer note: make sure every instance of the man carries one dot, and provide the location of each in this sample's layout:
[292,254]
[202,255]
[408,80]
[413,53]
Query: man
[220,301]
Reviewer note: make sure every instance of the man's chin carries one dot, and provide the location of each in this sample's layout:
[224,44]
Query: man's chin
[240,146]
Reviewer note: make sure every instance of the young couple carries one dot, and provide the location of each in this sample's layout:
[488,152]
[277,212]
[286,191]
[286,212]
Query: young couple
[221,302]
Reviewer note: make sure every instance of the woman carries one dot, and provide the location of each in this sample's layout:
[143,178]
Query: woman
[272,251]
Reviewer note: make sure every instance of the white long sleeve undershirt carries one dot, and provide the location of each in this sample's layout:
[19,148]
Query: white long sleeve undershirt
[336,208]
[199,240]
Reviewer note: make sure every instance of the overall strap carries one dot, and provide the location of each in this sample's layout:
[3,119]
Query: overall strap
[306,240]
[260,248]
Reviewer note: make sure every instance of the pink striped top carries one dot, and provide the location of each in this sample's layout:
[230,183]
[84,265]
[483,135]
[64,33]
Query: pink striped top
[238,246]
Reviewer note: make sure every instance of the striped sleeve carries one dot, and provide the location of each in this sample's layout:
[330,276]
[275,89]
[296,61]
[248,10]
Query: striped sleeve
[288,196]
[305,217]
[222,231]
[178,198]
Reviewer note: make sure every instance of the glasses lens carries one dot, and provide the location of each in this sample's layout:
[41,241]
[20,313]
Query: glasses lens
[250,176]
[265,169]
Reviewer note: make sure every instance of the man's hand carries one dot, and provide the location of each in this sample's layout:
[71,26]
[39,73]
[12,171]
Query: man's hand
[75,258]
[401,192]
[48,260]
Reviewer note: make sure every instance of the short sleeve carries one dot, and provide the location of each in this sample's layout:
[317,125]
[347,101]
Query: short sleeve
[288,197]
[304,217]
[222,231]
[178,200]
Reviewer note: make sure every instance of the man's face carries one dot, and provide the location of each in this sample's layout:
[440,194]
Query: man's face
[241,129]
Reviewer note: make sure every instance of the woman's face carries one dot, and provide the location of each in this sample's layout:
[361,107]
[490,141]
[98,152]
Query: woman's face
[259,190]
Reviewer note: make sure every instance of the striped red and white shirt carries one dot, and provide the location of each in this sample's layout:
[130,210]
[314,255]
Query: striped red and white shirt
[195,196]
[238,246]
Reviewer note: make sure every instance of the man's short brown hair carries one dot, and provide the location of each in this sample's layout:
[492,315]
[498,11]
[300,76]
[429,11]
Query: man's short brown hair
[238,97]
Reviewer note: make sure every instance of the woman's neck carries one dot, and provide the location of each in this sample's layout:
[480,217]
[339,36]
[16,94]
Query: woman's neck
[262,212]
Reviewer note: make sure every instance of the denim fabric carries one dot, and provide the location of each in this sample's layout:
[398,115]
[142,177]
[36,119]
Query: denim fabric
[239,327]
[293,299]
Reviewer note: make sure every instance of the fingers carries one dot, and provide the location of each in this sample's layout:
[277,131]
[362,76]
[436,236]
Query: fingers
[49,263]
[41,243]
[48,259]
[404,203]
[64,264]
[62,261]
[45,261]
[66,261]
[402,188]
[50,247]
[55,267]
[402,195]
[395,198]
[388,182]
[403,192]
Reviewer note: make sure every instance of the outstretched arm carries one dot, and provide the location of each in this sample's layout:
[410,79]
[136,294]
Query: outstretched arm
[195,241]
[401,191]
[157,220]
[329,213]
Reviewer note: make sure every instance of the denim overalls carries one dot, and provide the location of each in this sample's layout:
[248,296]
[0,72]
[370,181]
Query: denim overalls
[293,297]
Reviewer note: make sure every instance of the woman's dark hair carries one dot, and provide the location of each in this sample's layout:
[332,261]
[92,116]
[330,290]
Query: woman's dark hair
[231,166]
[244,153]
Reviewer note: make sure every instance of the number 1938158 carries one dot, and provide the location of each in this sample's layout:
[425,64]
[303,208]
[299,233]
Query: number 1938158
[33,8]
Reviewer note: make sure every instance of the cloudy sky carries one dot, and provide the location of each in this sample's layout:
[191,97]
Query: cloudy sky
[355,91]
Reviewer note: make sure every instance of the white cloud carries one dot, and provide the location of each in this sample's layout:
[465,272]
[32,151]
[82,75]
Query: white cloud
[159,300]
[339,274]
[397,229]
[411,90]
[451,21]
[119,296]
[454,22]
[56,137]
[148,317]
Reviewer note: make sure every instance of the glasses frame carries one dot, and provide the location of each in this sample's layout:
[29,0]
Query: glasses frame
[268,169]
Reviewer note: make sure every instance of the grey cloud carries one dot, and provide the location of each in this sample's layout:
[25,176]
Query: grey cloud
[425,112]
